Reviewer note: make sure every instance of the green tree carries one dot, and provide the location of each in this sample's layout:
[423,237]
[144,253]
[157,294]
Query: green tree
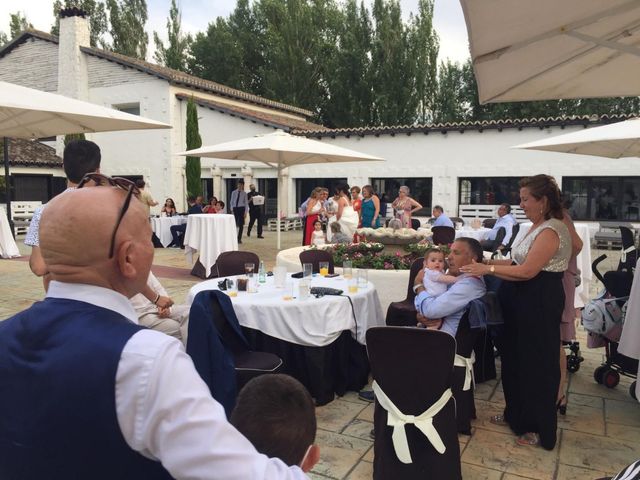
[18,23]
[193,169]
[97,17]
[127,19]
[348,75]
[423,47]
[216,55]
[249,43]
[174,55]
[3,38]
[70,137]
[393,74]
[450,104]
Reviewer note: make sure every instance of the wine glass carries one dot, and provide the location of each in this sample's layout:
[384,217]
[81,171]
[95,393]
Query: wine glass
[249,268]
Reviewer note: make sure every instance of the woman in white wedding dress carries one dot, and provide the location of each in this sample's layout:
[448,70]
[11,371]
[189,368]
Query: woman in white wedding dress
[346,216]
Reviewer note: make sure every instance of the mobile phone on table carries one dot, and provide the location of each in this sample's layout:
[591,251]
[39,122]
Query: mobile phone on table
[332,275]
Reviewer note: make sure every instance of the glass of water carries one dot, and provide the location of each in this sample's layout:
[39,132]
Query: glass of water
[363,278]
[307,270]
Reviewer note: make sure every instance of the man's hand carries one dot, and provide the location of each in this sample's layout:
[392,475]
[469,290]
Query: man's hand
[164,312]
[431,324]
[164,302]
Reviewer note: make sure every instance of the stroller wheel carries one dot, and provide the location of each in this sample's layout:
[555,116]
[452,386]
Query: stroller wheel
[573,363]
[632,390]
[598,373]
[611,378]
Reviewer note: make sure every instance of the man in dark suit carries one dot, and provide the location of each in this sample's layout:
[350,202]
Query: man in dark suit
[178,231]
[240,207]
[255,212]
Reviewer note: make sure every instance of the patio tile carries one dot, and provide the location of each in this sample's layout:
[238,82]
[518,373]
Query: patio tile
[623,432]
[359,429]
[336,415]
[581,418]
[363,471]
[568,472]
[353,397]
[483,391]
[338,453]
[497,397]
[511,476]
[474,472]
[484,411]
[586,400]
[621,412]
[499,451]
[585,385]
[597,453]
[367,413]
[368,457]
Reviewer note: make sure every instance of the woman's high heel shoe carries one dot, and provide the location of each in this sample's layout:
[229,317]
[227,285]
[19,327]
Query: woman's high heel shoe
[562,405]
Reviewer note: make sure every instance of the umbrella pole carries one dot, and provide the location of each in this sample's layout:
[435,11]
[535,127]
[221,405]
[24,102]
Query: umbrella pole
[7,184]
[278,206]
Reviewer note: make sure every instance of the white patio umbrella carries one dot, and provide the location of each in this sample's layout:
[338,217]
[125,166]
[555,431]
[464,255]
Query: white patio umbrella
[617,140]
[549,49]
[29,113]
[280,150]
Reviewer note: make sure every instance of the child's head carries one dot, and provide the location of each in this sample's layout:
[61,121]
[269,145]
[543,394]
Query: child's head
[434,259]
[220,205]
[277,414]
[317,225]
[335,227]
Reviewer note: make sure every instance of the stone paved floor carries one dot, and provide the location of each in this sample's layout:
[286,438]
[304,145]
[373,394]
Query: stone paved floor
[599,435]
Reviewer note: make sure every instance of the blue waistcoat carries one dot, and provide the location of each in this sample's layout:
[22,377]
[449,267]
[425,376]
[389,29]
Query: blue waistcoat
[58,363]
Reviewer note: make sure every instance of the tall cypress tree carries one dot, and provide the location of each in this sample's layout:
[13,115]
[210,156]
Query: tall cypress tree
[193,170]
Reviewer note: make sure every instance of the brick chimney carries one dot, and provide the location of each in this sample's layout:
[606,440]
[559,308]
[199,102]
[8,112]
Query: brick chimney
[73,77]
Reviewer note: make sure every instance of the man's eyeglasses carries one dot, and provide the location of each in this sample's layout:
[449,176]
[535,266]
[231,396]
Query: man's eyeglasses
[118,182]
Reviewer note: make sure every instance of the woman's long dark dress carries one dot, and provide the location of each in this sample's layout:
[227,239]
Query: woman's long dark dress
[532,312]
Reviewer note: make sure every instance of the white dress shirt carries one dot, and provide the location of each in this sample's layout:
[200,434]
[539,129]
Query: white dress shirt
[164,409]
[507,221]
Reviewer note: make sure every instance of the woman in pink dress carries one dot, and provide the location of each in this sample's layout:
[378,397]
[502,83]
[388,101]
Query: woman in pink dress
[404,206]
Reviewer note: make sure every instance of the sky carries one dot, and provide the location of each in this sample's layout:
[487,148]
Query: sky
[197,14]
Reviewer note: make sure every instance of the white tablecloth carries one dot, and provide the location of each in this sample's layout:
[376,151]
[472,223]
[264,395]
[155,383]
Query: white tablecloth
[630,339]
[210,235]
[390,284]
[8,247]
[479,234]
[584,260]
[309,322]
[161,226]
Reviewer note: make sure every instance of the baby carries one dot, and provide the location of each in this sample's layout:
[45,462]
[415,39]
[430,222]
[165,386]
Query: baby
[435,280]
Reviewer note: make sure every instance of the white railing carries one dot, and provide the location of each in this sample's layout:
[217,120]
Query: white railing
[469,212]
[21,214]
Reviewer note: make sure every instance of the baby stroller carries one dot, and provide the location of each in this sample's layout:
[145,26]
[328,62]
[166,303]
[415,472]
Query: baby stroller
[603,318]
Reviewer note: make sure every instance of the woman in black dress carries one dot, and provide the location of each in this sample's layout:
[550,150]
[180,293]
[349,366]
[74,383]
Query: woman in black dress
[532,298]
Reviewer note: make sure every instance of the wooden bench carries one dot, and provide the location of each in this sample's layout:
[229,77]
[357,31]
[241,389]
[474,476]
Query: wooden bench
[609,234]
[21,215]
[286,224]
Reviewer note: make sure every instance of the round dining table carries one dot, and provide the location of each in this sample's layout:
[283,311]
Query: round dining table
[161,226]
[311,321]
[210,235]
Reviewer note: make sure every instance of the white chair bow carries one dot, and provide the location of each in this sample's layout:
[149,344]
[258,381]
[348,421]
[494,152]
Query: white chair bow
[424,422]
[623,256]
[461,361]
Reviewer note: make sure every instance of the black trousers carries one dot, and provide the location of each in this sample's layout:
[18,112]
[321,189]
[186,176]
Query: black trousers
[238,213]
[177,234]
[255,215]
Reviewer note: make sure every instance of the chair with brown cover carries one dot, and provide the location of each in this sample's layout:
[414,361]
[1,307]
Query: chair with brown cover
[314,257]
[403,313]
[489,222]
[465,405]
[443,235]
[232,263]
[413,391]
[457,220]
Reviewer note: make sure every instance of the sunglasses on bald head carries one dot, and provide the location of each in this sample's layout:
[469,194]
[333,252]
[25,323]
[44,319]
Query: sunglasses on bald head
[117,182]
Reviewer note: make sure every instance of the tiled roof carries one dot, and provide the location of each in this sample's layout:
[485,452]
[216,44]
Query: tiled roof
[174,77]
[461,127]
[270,120]
[31,153]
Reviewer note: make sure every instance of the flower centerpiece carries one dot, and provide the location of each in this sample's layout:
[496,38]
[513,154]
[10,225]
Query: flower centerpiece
[370,255]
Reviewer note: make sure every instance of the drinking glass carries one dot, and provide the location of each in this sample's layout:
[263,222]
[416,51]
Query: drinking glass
[279,276]
[249,268]
[347,269]
[252,285]
[363,278]
[232,288]
[353,285]
[303,289]
[307,270]
[288,291]
[324,268]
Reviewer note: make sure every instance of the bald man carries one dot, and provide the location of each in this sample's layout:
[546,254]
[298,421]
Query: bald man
[85,392]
